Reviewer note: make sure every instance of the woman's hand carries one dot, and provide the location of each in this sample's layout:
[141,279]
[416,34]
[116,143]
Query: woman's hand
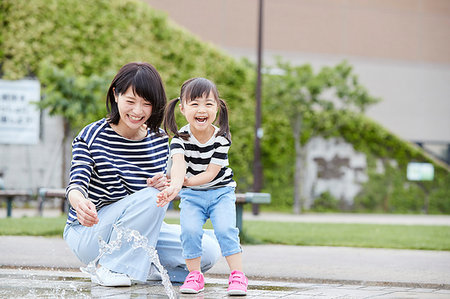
[158,181]
[86,211]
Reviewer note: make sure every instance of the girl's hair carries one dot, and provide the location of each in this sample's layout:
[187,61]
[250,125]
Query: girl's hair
[190,90]
[146,83]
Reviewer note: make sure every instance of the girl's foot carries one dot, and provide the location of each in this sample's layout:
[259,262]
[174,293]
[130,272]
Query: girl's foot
[237,284]
[194,283]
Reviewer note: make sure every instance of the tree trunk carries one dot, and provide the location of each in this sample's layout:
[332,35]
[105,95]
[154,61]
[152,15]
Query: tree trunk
[298,166]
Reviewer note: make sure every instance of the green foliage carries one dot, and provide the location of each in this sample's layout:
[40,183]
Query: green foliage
[325,202]
[72,46]
[78,98]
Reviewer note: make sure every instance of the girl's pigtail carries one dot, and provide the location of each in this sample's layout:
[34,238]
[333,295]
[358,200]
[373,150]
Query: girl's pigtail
[170,123]
[224,127]
[169,117]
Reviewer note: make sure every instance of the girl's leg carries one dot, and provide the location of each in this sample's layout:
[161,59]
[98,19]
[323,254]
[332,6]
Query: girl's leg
[193,264]
[192,217]
[223,217]
[235,261]
[170,252]
[137,212]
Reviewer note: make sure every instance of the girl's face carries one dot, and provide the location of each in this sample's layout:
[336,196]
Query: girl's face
[200,112]
[134,110]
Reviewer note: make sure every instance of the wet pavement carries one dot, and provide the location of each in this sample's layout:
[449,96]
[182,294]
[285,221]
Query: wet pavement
[38,267]
[19,283]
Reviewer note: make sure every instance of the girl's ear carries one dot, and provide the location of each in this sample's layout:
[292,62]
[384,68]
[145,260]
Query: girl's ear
[181,108]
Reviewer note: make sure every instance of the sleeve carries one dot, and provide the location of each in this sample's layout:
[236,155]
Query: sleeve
[176,146]
[81,168]
[220,155]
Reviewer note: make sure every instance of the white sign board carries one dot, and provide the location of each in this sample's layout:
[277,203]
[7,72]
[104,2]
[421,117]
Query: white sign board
[420,171]
[19,117]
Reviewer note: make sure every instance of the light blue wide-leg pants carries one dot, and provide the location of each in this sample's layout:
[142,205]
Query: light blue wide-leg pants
[139,212]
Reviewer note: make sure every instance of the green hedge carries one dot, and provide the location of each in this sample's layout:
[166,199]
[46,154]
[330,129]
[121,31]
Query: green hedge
[92,39]
[87,38]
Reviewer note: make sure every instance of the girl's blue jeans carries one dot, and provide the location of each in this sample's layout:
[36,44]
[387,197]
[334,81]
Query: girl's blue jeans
[196,207]
[139,212]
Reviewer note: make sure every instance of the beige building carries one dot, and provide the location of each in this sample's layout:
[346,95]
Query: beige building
[400,49]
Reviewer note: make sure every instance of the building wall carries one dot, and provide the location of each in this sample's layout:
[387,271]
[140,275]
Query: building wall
[400,49]
[39,165]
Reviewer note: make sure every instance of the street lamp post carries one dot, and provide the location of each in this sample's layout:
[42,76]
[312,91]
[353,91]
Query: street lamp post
[257,165]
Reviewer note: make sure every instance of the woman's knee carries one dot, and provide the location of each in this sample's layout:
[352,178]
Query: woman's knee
[211,250]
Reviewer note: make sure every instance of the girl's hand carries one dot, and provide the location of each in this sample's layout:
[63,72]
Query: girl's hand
[86,213]
[166,196]
[158,181]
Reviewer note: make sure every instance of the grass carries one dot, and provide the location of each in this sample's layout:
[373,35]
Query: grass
[288,233]
[33,226]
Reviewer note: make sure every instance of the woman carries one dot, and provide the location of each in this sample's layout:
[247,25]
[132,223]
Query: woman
[114,160]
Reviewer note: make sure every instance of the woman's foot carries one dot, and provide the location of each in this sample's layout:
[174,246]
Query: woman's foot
[108,278]
[237,284]
[194,283]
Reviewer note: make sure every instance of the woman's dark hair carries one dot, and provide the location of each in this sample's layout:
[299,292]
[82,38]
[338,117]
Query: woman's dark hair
[190,90]
[146,83]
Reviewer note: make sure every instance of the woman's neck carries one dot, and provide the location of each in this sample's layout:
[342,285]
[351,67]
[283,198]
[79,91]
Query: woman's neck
[128,133]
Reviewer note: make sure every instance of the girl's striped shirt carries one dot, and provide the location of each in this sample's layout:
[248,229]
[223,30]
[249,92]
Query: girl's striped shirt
[199,155]
[106,167]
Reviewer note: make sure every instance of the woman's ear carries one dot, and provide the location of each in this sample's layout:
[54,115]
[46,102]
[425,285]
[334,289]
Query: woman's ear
[114,92]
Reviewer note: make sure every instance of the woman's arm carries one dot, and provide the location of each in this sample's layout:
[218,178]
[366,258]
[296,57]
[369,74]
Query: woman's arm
[177,174]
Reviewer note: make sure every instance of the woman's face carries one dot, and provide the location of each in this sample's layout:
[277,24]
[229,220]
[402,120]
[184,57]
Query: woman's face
[134,110]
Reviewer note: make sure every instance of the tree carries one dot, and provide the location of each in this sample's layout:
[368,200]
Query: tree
[295,91]
[78,99]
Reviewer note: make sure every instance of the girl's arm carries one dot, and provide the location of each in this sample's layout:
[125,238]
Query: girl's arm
[177,174]
[205,177]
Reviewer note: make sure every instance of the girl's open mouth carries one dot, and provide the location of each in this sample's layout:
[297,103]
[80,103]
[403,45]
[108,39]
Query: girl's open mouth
[201,119]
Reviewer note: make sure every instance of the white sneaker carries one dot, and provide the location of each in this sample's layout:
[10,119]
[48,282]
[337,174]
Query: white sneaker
[108,278]
[154,274]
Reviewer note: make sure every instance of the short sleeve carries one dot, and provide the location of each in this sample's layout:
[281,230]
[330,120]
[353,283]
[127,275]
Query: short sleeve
[176,146]
[220,155]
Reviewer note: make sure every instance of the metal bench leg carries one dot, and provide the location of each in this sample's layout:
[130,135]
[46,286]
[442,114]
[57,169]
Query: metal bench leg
[9,202]
[239,209]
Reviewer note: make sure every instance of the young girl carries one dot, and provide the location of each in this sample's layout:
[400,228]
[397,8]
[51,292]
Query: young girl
[200,173]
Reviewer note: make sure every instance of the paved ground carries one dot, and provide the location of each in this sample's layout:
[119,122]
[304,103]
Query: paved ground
[45,267]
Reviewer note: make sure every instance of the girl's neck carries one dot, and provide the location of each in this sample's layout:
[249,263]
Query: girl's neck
[204,135]
[128,133]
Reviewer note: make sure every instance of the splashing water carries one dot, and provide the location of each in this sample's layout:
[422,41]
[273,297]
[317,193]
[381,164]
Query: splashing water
[138,241]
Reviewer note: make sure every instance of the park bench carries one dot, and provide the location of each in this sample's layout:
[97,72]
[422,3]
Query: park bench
[9,196]
[45,193]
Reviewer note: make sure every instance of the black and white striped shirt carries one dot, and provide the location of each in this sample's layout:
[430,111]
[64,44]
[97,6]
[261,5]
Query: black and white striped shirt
[106,167]
[199,155]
